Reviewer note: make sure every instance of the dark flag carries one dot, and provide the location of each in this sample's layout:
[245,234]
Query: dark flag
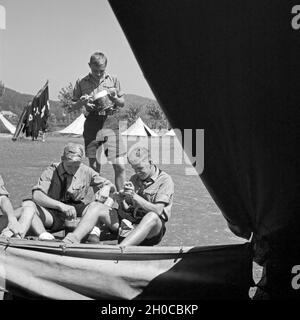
[38,113]
[35,115]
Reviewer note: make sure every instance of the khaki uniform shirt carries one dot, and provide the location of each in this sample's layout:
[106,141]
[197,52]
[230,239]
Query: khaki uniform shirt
[157,189]
[89,85]
[52,180]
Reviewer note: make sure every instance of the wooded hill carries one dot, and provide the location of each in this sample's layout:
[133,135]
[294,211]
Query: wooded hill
[135,106]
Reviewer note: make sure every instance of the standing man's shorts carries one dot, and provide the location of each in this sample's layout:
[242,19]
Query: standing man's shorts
[109,144]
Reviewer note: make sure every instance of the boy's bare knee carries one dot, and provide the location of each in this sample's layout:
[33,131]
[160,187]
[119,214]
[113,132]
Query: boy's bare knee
[152,218]
[97,208]
[29,204]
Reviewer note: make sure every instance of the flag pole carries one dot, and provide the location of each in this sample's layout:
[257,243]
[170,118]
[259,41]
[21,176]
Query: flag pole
[41,90]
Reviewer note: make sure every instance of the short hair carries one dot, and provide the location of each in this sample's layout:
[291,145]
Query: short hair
[138,155]
[73,152]
[98,57]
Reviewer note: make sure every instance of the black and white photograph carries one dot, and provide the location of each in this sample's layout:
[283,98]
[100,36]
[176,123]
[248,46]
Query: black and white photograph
[148,152]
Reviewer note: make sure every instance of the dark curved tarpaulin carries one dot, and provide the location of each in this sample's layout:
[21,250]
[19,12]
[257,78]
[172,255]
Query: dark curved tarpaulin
[231,68]
[54,270]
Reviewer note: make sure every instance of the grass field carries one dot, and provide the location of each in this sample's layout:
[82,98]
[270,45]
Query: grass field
[195,220]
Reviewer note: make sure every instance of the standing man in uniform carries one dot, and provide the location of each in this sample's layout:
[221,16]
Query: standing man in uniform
[99,81]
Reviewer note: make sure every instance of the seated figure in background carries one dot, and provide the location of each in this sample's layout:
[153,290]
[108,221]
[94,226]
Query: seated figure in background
[140,210]
[13,223]
[60,195]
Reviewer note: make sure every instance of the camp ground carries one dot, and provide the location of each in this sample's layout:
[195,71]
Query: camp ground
[232,70]
[140,129]
[137,129]
[196,225]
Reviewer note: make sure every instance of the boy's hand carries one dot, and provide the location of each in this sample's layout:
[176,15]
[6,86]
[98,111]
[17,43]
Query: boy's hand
[125,205]
[128,191]
[128,186]
[69,211]
[112,93]
[103,194]
[86,101]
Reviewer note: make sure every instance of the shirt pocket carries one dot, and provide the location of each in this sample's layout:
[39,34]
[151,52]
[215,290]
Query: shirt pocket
[149,194]
[78,191]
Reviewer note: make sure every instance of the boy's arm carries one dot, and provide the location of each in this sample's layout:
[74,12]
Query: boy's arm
[118,101]
[83,101]
[132,197]
[40,198]
[162,198]
[102,187]
[79,99]
[116,95]
[148,206]
[40,193]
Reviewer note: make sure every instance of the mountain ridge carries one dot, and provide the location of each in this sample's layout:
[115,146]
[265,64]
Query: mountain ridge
[14,101]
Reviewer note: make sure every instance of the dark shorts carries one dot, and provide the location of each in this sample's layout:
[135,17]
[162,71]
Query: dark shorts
[59,217]
[3,222]
[111,145]
[154,240]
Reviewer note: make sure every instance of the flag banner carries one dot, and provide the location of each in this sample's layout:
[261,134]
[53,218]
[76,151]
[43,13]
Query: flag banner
[35,115]
[38,113]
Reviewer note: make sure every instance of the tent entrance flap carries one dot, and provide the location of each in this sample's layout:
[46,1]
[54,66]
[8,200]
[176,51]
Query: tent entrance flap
[111,272]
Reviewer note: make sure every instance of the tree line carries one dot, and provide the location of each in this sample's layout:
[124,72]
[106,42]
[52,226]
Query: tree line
[61,114]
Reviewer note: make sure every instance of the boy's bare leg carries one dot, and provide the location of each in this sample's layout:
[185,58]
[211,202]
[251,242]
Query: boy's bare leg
[37,225]
[149,227]
[94,212]
[26,215]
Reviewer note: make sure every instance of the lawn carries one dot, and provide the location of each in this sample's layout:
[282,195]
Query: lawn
[196,220]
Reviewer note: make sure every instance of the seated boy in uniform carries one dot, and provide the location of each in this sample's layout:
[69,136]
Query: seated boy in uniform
[60,194]
[144,203]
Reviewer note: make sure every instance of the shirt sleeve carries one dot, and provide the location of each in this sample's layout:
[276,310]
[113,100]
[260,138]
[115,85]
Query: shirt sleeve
[45,180]
[97,182]
[165,191]
[3,191]
[77,91]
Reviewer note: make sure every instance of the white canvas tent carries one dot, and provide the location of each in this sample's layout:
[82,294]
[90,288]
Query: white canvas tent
[170,133]
[139,129]
[10,127]
[76,127]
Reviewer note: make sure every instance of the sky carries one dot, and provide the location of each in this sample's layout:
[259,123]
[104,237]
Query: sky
[53,40]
